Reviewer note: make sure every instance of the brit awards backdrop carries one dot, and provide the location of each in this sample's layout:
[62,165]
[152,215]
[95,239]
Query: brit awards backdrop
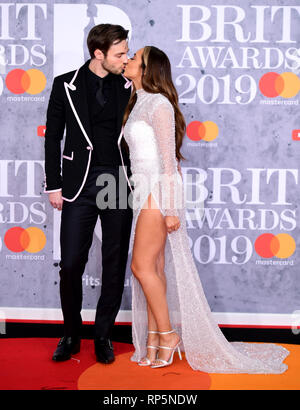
[236,67]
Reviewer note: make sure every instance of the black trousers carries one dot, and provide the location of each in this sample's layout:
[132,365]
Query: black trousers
[78,220]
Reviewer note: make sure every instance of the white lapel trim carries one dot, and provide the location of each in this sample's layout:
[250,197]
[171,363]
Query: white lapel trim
[126,85]
[72,87]
[124,168]
[128,82]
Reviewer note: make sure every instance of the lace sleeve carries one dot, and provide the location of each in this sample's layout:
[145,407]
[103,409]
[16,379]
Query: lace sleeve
[163,123]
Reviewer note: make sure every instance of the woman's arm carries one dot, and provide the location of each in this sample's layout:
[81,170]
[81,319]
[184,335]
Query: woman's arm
[163,123]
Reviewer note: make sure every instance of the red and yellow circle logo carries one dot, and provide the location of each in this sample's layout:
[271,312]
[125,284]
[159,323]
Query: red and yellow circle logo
[285,85]
[268,245]
[19,81]
[31,239]
[206,131]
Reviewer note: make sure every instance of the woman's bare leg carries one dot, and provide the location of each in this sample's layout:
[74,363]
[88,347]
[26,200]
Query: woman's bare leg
[153,339]
[149,243]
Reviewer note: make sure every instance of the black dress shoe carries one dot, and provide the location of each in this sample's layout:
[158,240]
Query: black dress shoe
[104,350]
[66,347]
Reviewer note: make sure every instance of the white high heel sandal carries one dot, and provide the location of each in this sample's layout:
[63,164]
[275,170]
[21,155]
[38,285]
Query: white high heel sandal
[165,363]
[145,361]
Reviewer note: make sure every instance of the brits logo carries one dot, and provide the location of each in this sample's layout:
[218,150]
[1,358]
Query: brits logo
[72,23]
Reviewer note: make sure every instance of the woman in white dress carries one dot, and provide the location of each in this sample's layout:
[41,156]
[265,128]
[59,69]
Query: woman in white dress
[169,308]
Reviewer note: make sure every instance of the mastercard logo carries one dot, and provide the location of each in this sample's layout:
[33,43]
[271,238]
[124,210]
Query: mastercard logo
[285,85]
[31,239]
[19,81]
[206,131]
[268,245]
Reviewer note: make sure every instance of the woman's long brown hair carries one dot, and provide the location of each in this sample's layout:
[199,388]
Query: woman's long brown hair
[157,78]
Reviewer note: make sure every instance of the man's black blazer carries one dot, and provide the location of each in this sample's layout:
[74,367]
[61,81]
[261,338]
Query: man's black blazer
[68,110]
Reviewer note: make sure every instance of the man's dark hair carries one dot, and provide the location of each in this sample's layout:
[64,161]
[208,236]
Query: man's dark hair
[103,36]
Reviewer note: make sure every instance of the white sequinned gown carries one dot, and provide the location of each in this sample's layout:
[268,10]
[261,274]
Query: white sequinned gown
[150,135]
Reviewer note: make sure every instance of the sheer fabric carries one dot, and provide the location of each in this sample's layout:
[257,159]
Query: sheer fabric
[150,135]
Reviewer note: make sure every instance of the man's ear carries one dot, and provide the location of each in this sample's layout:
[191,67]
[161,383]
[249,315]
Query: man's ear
[99,55]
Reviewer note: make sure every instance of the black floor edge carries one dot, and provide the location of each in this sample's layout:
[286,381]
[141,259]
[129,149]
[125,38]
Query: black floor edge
[122,333]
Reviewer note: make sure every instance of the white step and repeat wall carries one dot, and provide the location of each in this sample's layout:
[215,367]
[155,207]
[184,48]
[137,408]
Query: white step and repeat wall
[236,68]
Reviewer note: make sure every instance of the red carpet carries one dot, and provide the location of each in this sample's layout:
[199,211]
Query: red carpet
[25,364]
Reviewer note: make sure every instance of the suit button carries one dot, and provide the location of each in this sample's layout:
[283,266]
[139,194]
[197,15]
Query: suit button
[88,147]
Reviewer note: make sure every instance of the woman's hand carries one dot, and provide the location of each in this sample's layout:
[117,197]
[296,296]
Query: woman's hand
[179,167]
[172,223]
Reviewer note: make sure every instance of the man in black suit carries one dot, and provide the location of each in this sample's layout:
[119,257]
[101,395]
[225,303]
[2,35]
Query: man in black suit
[89,104]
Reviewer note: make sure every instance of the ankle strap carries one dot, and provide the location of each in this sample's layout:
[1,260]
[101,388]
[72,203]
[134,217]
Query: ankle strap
[152,347]
[153,331]
[167,347]
[166,333]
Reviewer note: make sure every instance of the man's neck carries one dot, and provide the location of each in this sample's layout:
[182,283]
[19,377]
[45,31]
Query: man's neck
[97,68]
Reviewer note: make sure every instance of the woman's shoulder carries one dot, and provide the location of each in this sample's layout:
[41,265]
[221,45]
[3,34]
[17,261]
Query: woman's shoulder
[159,99]
[160,108]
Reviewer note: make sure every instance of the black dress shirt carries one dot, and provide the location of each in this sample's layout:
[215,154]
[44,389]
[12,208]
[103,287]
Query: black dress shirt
[103,120]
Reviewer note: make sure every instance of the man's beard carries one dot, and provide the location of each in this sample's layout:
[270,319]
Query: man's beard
[112,69]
